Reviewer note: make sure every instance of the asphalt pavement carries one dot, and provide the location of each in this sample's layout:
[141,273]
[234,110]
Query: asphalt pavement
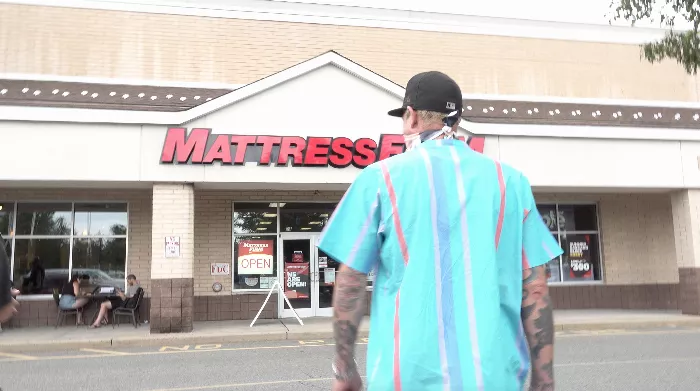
[666,359]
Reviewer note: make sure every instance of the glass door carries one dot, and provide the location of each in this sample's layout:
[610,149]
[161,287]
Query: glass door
[298,275]
[325,281]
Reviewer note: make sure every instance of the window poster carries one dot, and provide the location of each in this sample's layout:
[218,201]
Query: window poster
[255,257]
[297,284]
[579,258]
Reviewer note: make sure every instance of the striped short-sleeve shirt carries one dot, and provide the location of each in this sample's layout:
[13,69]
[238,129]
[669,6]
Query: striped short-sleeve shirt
[448,232]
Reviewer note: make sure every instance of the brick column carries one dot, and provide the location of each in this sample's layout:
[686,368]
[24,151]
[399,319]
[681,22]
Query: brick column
[172,282]
[686,227]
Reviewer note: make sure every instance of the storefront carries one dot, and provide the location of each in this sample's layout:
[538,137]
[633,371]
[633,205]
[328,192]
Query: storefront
[210,204]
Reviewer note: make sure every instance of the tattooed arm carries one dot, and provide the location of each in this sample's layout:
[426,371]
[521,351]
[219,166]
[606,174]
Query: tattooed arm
[536,314]
[349,308]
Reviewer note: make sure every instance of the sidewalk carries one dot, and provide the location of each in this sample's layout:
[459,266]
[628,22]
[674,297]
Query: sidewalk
[71,337]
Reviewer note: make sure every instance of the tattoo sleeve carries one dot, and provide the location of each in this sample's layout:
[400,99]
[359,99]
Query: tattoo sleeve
[349,308]
[538,321]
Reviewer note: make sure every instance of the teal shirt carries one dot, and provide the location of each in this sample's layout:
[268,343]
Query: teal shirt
[448,232]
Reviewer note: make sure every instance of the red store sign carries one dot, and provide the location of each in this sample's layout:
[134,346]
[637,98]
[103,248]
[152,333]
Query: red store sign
[202,147]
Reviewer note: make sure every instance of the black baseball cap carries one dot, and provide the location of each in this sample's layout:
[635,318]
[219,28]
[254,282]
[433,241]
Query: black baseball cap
[431,91]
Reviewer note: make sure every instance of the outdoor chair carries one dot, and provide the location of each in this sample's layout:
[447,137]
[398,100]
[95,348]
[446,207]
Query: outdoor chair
[130,309]
[62,313]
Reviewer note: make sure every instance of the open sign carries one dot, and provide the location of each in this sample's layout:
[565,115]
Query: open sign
[255,257]
[220,269]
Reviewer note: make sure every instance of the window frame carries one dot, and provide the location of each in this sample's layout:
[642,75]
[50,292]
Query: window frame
[277,235]
[71,237]
[559,232]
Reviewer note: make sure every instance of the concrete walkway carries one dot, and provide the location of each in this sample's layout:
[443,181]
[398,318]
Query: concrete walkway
[71,337]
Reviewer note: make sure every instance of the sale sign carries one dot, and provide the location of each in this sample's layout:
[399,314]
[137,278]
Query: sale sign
[296,280]
[255,257]
[580,265]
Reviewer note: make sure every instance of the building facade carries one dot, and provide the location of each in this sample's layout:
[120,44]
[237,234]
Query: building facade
[204,151]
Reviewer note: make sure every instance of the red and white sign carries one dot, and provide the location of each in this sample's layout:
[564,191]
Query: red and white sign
[200,146]
[255,257]
[220,269]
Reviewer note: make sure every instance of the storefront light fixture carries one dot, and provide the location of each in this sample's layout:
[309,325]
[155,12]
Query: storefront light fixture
[112,93]
[265,222]
[269,214]
[3,91]
[275,204]
[323,215]
[315,222]
[65,93]
[305,228]
[141,95]
[84,93]
[37,92]
[262,229]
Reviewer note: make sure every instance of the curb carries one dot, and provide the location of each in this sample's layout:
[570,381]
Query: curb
[292,335]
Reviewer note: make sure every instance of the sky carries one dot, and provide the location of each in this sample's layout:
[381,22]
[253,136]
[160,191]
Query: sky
[572,11]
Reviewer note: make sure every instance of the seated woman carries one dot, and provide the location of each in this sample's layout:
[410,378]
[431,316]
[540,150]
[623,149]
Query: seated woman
[70,296]
[116,302]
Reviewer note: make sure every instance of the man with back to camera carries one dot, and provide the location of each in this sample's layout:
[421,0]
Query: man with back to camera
[459,249]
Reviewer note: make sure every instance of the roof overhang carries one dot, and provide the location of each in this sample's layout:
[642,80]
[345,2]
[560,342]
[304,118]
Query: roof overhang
[483,114]
[99,115]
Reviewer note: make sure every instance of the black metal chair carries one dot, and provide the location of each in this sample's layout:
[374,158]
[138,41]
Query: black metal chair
[130,309]
[62,313]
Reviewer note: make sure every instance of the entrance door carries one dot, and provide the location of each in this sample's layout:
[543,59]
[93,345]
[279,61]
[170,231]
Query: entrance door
[307,276]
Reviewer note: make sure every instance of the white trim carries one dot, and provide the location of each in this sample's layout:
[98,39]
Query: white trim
[370,17]
[588,132]
[583,101]
[120,81]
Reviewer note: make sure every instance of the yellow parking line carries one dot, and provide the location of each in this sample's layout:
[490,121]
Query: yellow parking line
[109,352]
[583,333]
[17,356]
[236,385]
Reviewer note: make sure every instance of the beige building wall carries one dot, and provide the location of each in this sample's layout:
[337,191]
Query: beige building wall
[139,235]
[637,233]
[637,230]
[173,215]
[116,44]
[637,236]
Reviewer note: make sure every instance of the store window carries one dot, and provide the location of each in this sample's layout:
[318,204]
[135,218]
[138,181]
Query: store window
[53,241]
[255,218]
[7,210]
[257,221]
[255,245]
[305,217]
[575,226]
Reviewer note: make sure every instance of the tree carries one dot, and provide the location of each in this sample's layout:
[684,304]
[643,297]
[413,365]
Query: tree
[683,46]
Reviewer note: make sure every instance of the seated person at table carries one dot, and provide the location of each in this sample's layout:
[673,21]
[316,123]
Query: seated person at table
[70,295]
[116,302]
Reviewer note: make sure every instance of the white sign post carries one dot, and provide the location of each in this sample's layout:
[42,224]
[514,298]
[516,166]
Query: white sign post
[277,285]
[172,247]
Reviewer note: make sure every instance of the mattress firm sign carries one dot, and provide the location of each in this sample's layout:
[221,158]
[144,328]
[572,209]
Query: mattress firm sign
[202,147]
